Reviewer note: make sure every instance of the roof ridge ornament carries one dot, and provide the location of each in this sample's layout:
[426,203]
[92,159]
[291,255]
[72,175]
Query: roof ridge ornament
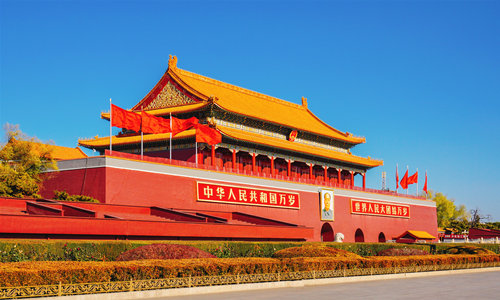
[304,102]
[172,61]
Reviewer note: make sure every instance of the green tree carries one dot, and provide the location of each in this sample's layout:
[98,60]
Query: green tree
[447,211]
[22,159]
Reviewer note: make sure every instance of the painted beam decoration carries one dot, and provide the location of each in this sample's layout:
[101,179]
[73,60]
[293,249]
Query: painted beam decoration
[326,204]
[383,209]
[233,194]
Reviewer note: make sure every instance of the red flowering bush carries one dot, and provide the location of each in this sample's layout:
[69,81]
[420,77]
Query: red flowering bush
[163,251]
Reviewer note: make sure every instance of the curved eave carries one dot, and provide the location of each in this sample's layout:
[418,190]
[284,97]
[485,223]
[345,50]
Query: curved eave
[135,139]
[169,110]
[347,138]
[296,147]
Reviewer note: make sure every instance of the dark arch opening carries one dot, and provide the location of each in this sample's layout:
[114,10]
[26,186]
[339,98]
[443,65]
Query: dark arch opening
[326,233]
[381,238]
[359,236]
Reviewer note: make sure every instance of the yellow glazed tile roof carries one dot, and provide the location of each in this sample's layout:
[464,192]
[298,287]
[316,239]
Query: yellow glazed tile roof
[61,153]
[103,142]
[418,234]
[249,103]
[237,134]
[297,147]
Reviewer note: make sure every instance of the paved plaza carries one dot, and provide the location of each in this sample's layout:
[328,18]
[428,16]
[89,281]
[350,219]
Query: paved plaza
[483,285]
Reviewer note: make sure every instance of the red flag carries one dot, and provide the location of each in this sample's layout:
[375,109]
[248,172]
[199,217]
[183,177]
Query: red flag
[425,184]
[397,178]
[205,134]
[125,119]
[153,124]
[179,125]
[404,181]
[413,178]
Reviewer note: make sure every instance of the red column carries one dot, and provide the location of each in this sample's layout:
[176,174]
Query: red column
[352,179]
[364,181]
[213,155]
[253,162]
[200,158]
[234,158]
[326,174]
[272,165]
[311,171]
[339,176]
[289,170]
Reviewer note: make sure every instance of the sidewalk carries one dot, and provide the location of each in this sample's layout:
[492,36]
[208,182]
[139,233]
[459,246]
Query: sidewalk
[265,285]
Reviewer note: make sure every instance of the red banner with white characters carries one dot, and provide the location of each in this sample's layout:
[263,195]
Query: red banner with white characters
[382,209]
[233,194]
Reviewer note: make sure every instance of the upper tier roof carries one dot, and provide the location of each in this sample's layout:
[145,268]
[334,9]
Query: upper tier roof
[246,103]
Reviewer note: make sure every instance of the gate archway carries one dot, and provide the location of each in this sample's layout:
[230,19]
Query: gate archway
[326,233]
[381,238]
[359,237]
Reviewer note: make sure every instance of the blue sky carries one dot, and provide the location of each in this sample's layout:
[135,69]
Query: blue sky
[419,79]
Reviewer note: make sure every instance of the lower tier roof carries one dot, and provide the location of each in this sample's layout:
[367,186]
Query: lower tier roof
[238,135]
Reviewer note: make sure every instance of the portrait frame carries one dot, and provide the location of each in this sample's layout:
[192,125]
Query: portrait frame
[326,196]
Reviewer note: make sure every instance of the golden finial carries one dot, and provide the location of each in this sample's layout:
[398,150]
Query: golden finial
[304,102]
[172,61]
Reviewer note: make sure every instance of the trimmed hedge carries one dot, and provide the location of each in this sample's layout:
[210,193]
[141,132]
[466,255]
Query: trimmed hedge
[163,251]
[44,273]
[465,250]
[80,250]
[403,252]
[314,251]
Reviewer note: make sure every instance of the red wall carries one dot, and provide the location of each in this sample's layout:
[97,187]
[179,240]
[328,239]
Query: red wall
[89,182]
[119,186]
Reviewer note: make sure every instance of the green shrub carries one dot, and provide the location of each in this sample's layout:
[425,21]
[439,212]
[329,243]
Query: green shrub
[88,253]
[163,251]
[441,247]
[53,250]
[402,252]
[465,250]
[314,251]
[64,196]
[12,253]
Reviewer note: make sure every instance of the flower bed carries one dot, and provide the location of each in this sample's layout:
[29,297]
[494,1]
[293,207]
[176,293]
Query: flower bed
[47,273]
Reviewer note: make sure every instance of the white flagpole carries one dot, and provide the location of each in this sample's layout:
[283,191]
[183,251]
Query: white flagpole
[142,147]
[417,183]
[397,178]
[426,193]
[142,138]
[110,131]
[407,180]
[170,148]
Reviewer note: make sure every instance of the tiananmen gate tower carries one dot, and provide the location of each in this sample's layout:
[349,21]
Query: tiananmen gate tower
[279,173]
